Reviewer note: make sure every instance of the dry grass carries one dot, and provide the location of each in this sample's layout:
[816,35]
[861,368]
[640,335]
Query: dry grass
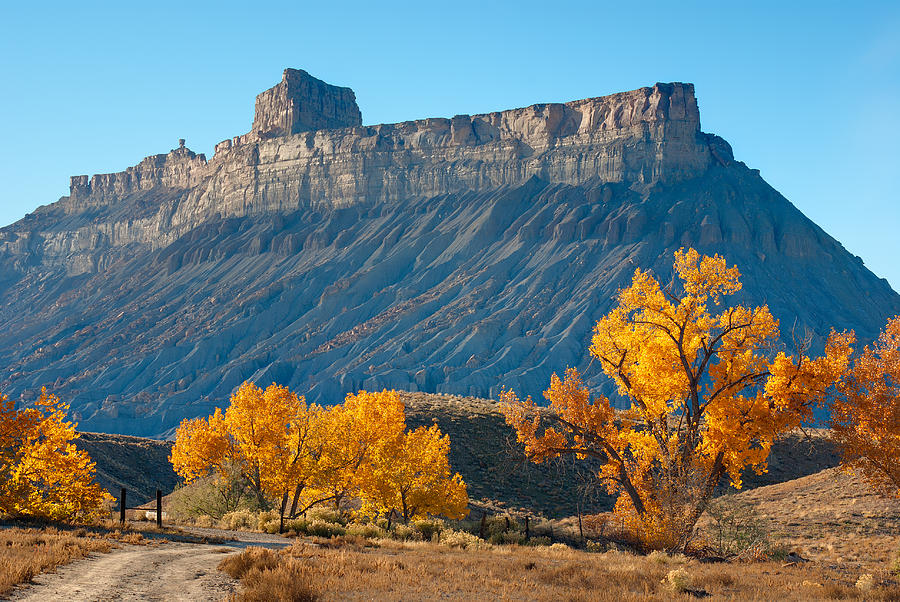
[419,570]
[25,553]
[831,517]
[268,576]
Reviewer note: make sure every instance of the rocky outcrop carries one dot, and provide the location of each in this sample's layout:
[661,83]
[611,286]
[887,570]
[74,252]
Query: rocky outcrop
[302,103]
[442,255]
[642,137]
[180,168]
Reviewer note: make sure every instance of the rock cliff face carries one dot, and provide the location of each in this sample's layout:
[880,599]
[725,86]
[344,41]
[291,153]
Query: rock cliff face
[302,103]
[443,255]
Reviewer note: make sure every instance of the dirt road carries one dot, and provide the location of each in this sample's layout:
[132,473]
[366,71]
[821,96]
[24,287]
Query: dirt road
[164,571]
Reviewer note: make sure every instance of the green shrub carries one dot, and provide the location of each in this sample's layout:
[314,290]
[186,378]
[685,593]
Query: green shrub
[265,519]
[429,528]
[212,496]
[538,541]
[496,525]
[205,520]
[327,515]
[238,520]
[678,580]
[367,530]
[660,557]
[597,547]
[462,539]
[320,528]
[405,533]
[299,525]
[513,537]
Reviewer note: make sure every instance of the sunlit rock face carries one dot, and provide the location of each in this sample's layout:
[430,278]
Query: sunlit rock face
[443,255]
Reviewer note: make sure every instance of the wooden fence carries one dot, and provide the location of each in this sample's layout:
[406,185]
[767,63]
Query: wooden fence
[123,506]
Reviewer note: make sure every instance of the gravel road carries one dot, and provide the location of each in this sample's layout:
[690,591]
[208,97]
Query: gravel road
[164,571]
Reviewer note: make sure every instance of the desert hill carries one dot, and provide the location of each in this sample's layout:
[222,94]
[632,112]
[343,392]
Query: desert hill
[829,515]
[140,465]
[441,255]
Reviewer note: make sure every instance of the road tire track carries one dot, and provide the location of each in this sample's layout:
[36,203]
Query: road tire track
[170,571]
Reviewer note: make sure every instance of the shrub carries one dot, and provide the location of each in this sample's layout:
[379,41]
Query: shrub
[597,547]
[498,524]
[367,530]
[320,528]
[779,553]
[461,539]
[211,495]
[405,533]
[238,520]
[538,541]
[272,527]
[263,518]
[205,520]
[238,565]
[865,583]
[429,528]
[268,576]
[678,580]
[736,530]
[664,558]
[325,514]
[513,537]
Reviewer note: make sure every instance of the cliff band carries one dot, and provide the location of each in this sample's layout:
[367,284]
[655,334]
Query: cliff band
[445,255]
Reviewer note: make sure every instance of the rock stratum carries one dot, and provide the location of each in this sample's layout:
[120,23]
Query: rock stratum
[440,255]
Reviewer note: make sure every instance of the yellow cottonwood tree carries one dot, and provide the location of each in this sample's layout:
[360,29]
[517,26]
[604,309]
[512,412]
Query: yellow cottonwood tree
[268,435]
[356,430]
[865,420]
[708,395]
[410,475]
[42,473]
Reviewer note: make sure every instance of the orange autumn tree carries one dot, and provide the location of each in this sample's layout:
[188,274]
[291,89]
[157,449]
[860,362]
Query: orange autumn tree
[269,436]
[355,431]
[865,419]
[301,455]
[410,476]
[708,396]
[42,473]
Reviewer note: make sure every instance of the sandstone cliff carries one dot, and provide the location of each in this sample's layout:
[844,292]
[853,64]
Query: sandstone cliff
[442,255]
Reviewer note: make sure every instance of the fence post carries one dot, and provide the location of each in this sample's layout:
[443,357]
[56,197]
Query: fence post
[483,518]
[159,508]
[580,527]
[122,507]
[526,527]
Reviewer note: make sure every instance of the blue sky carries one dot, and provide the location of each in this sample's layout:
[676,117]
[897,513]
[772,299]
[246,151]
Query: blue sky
[807,92]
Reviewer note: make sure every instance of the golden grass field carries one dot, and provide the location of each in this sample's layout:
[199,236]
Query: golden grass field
[346,570]
[849,536]
[26,552]
[829,518]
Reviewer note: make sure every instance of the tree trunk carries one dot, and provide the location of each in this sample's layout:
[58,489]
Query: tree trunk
[700,507]
[284,499]
[297,491]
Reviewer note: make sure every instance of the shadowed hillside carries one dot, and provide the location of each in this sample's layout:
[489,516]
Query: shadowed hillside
[482,449]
